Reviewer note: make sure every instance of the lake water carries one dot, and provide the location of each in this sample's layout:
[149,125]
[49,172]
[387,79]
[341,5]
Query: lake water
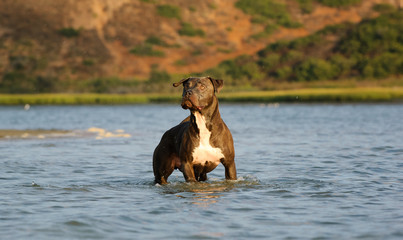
[305,172]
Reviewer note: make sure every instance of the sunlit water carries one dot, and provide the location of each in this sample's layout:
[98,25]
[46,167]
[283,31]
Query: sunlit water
[305,172]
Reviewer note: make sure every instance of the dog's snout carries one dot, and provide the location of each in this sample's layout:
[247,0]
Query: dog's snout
[188,93]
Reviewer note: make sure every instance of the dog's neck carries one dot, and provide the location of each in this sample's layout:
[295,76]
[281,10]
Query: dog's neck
[208,116]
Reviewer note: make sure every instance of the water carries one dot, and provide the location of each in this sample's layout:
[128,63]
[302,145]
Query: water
[305,172]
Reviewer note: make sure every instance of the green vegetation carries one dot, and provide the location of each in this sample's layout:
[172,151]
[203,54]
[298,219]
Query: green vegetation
[154,40]
[301,95]
[370,49]
[69,32]
[267,12]
[146,50]
[305,6]
[19,82]
[188,30]
[158,76]
[338,3]
[384,8]
[169,11]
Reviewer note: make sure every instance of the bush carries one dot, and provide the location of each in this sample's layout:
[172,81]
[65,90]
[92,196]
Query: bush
[154,40]
[305,6]
[384,8]
[44,84]
[69,32]
[264,10]
[342,65]
[157,76]
[269,62]
[292,56]
[16,82]
[19,82]
[304,42]
[268,29]
[374,37]
[169,11]
[188,30]
[338,3]
[283,73]
[146,50]
[314,69]
[384,65]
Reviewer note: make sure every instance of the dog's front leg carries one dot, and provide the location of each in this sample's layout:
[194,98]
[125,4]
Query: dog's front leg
[188,172]
[230,170]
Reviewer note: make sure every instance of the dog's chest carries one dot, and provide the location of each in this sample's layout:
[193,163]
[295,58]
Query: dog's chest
[205,153]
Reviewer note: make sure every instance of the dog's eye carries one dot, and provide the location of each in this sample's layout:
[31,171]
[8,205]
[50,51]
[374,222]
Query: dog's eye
[202,86]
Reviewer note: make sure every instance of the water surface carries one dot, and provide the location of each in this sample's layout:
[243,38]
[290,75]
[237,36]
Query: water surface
[305,172]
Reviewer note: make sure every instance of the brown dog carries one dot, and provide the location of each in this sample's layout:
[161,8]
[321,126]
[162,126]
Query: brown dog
[200,142]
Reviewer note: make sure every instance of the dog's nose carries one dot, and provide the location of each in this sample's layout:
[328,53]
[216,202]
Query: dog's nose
[188,93]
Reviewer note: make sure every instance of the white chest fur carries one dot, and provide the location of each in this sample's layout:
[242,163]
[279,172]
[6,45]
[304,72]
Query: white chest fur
[205,152]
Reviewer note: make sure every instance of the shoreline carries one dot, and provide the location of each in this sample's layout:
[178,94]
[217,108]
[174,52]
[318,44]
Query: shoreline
[306,95]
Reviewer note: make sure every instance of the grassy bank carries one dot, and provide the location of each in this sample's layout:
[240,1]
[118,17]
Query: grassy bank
[374,94]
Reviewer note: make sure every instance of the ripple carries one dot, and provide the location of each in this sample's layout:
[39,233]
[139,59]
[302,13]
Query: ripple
[76,223]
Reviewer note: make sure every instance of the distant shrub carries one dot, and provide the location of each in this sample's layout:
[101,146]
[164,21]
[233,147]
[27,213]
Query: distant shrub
[382,66]
[224,50]
[180,62]
[154,40]
[283,72]
[88,62]
[305,42]
[69,32]
[212,6]
[264,10]
[305,6]
[269,62]
[338,3]
[383,8]
[146,50]
[196,52]
[274,47]
[158,76]
[268,29]
[292,56]
[239,71]
[342,65]
[314,69]
[374,36]
[169,11]
[18,82]
[188,30]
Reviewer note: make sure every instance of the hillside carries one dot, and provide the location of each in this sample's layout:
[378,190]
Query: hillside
[59,45]
[371,49]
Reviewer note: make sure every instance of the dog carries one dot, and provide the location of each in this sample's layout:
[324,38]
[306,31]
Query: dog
[201,141]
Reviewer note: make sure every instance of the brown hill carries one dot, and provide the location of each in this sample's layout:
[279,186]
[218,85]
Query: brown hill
[67,39]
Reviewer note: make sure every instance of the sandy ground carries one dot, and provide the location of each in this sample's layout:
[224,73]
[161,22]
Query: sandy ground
[38,133]
[97,133]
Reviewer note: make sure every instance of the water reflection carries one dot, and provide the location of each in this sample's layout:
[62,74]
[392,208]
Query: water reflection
[206,193]
[204,197]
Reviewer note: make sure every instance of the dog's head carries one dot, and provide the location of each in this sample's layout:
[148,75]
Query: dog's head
[199,93]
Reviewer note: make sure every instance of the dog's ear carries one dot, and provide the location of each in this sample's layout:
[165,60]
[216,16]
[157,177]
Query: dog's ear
[217,83]
[180,82]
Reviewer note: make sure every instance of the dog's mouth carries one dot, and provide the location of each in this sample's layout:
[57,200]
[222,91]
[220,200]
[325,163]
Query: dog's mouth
[187,103]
